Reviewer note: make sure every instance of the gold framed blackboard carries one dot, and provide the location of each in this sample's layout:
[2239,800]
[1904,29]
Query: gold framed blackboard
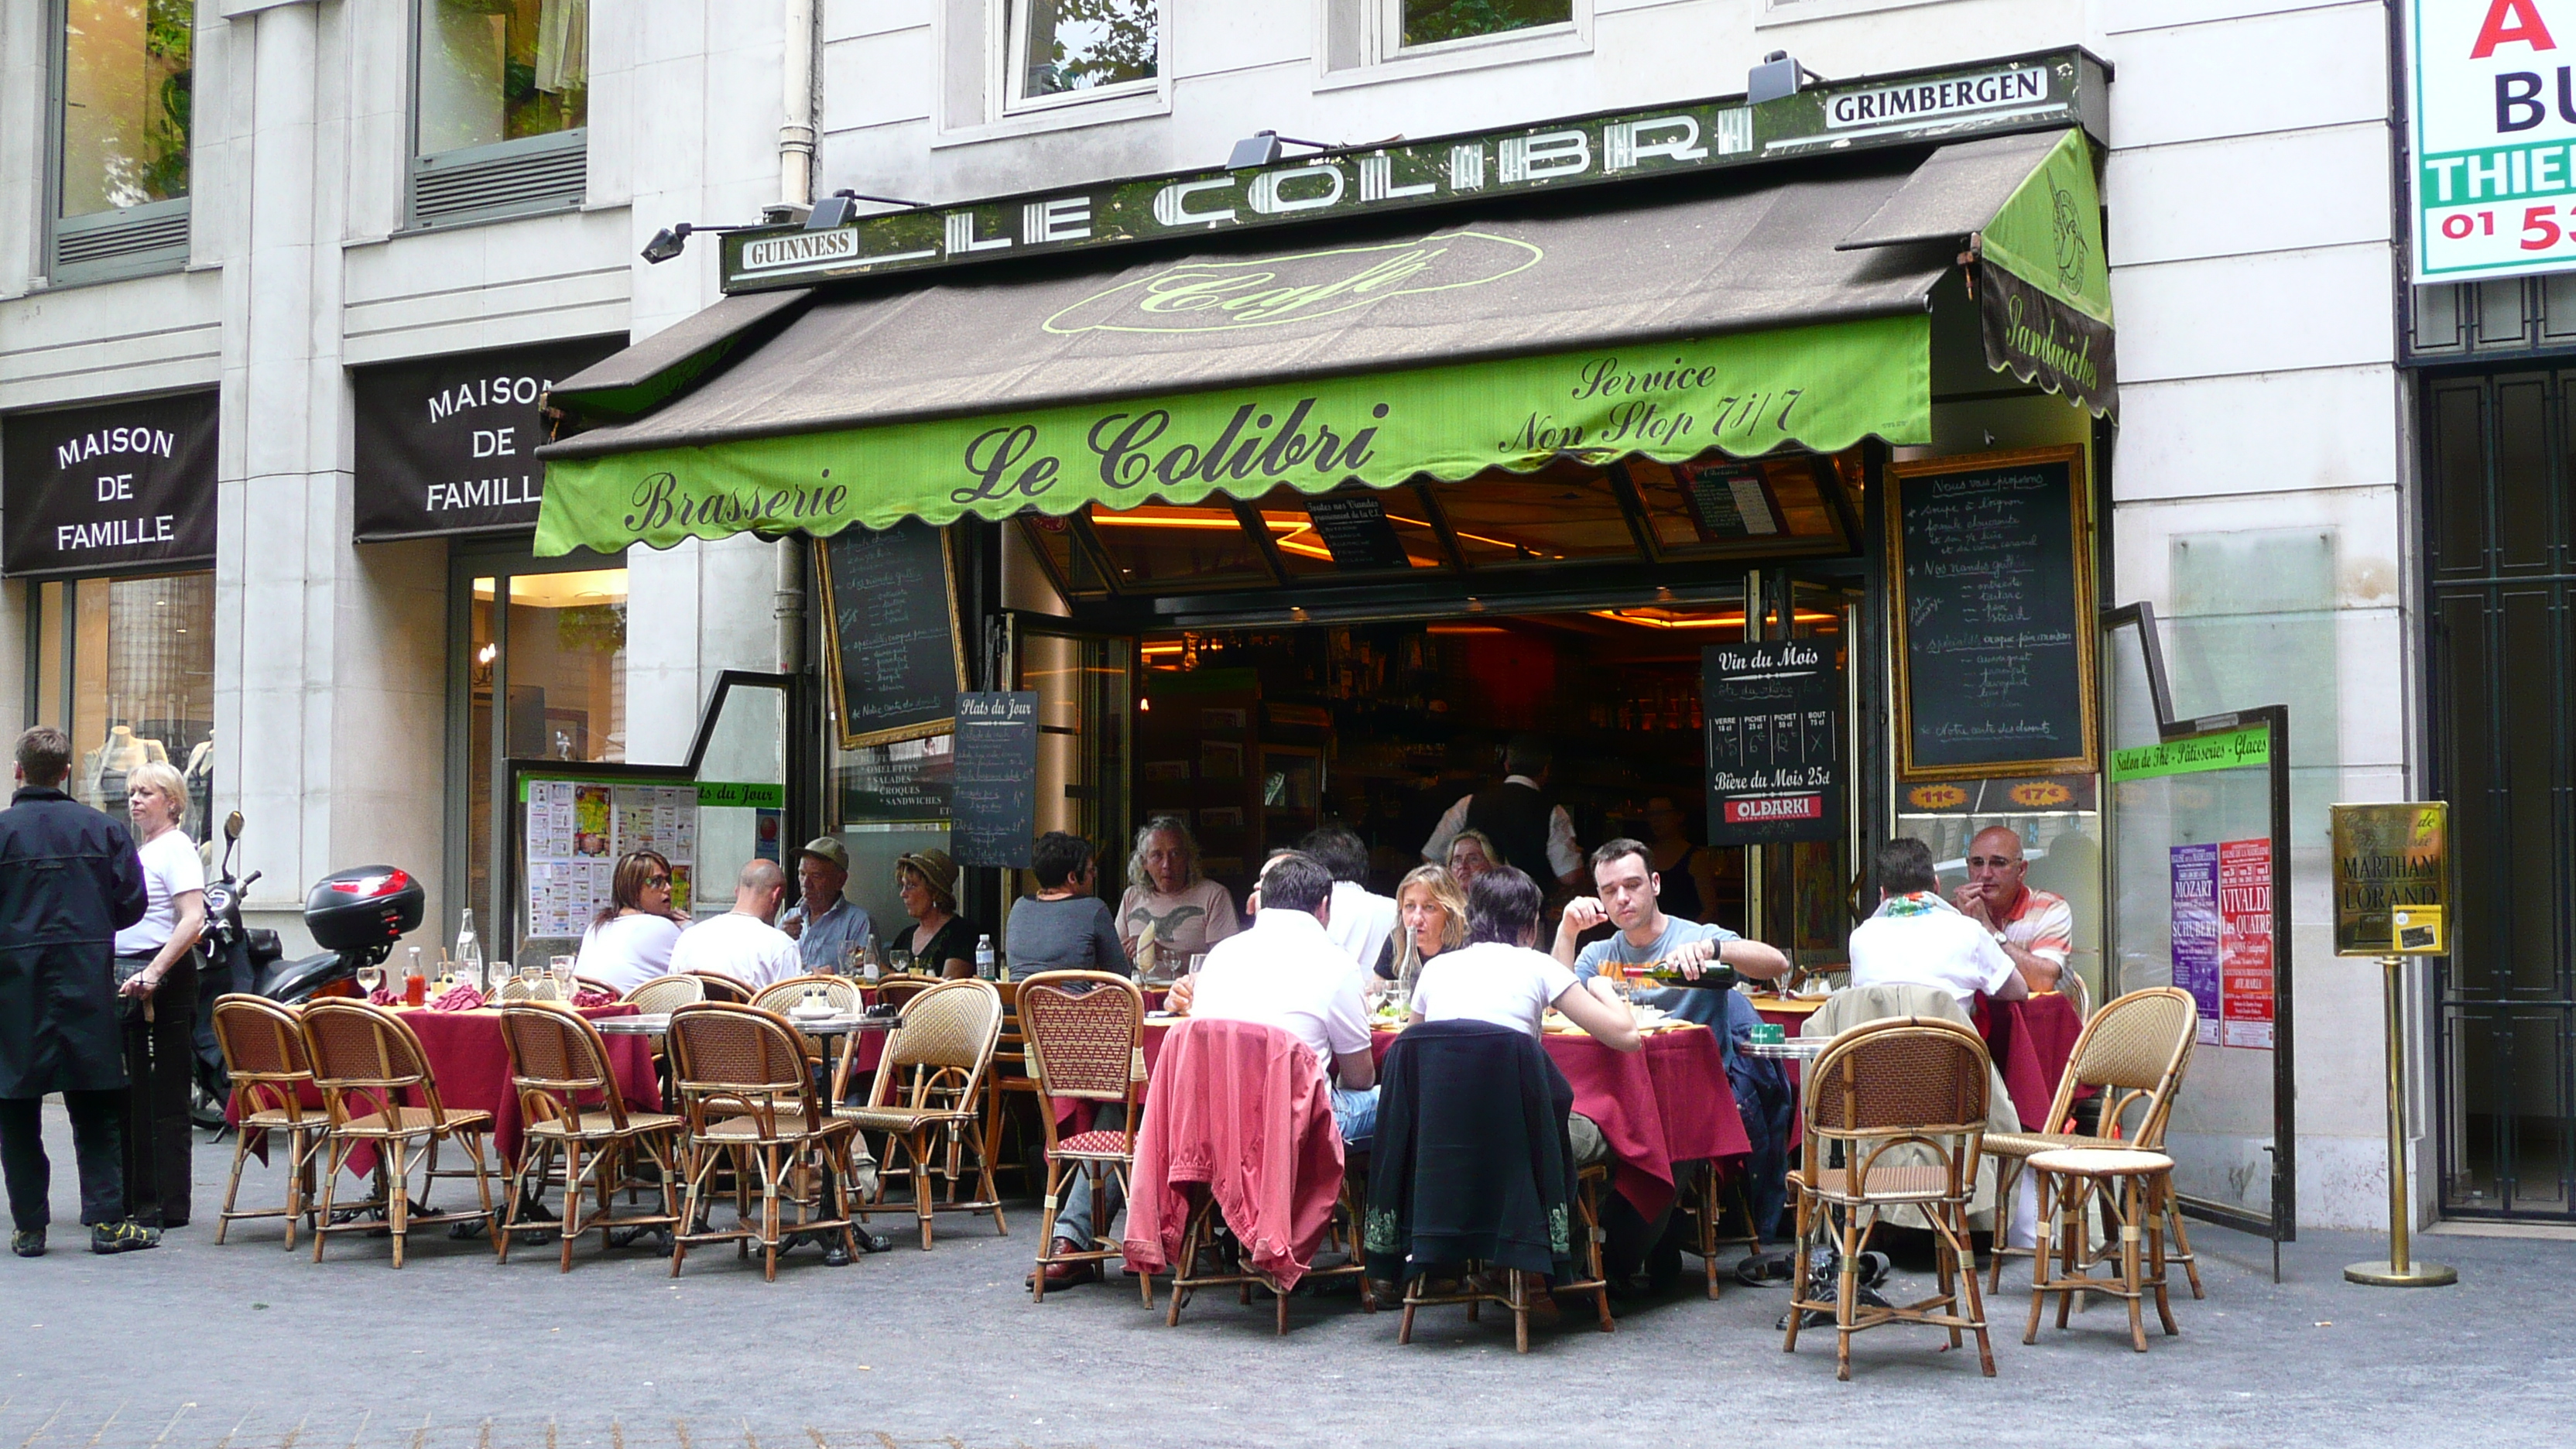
[894,655]
[1990,564]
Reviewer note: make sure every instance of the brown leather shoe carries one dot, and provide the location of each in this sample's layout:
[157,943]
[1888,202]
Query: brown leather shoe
[1065,1275]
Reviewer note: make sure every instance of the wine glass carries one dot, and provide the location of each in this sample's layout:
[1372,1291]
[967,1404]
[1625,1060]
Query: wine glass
[371,979]
[560,967]
[900,959]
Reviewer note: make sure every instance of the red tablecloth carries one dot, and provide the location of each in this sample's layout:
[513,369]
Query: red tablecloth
[472,1068]
[2031,1041]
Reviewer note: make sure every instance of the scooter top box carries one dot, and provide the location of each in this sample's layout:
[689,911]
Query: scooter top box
[362,907]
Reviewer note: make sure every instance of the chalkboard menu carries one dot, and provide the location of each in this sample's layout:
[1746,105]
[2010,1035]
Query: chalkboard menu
[1772,715]
[1356,532]
[1993,615]
[893,651]
[993,798]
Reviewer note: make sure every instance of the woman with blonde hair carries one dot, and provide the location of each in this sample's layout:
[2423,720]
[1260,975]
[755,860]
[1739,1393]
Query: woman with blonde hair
[156,973]
[1431,917]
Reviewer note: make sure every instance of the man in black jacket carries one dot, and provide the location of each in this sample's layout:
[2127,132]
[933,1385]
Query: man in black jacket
[69,881]
[1519,816]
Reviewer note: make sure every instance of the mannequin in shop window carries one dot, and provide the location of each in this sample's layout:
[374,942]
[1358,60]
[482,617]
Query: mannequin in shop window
[103,770]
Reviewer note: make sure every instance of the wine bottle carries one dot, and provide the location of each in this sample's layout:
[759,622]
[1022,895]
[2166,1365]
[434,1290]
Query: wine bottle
[1714,975]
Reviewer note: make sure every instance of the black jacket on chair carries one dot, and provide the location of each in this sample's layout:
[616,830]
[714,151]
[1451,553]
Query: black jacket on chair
[69,881]
[1471,1159]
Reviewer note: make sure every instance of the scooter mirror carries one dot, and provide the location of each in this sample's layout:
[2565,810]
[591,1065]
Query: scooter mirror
[232,827]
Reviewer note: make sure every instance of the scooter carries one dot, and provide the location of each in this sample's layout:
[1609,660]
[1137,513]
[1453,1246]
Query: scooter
[233,958]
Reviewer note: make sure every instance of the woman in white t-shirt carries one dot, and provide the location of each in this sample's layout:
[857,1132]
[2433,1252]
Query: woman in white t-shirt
[156,969]
[1497,977]
[630,942]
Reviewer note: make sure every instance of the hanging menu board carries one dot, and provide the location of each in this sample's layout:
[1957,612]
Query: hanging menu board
[1993,615]
[893,648]
[1772,715]
[993,798]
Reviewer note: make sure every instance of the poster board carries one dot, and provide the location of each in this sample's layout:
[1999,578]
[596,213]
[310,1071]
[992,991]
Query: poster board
[1993,615]
[993,816]
[573,827]
[2392,878]
[1771,720]
[894,654]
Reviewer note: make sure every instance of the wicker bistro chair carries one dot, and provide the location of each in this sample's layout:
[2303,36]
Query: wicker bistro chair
[720,987]
[2135,1050]
[569,1099]
[1911,1086]
[665,994]
[930,1084]
[782,996]
[902,987]
[264,1052]
[1085,1035]
[366,1061]
[749,1096]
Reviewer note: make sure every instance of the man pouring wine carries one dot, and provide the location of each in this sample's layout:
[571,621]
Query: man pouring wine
[1623,872]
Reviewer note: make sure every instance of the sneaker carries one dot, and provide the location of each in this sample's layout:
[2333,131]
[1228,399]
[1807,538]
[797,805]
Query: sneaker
[124,1237]
[28,1244]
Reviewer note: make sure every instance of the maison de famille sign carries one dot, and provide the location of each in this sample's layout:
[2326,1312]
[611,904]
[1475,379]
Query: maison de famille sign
[120,485]
[2055,89]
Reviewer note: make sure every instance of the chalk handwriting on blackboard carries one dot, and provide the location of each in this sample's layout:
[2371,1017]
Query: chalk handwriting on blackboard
[894,643]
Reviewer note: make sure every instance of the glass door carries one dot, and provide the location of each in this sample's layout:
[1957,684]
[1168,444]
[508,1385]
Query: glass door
[1085,683]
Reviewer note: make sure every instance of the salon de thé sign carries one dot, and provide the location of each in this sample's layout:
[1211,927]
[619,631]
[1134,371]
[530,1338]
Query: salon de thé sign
[2037,92]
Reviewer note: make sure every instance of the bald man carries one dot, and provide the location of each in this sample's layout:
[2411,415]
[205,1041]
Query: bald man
[2035,929]
[742,943]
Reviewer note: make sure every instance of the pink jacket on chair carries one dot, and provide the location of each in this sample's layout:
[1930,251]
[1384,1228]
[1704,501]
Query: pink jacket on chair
[1243,1110]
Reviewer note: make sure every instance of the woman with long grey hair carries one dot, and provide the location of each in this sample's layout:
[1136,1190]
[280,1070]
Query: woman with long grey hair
[1186,911]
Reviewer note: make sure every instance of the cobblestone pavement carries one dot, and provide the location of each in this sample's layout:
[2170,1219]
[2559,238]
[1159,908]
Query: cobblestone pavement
[247,1347]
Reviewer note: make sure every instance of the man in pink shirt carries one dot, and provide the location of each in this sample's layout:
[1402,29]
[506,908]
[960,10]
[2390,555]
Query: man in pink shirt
[2034,928]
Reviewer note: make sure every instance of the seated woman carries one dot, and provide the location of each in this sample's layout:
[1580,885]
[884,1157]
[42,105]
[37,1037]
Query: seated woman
[1499,977]
[1471,854]
[1186,911]
[1065,926]
[1431,917]
[630,943]
[941,941]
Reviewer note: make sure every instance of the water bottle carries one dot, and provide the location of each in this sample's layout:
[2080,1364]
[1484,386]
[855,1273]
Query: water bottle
[871,963]
[984,967]
[469,953]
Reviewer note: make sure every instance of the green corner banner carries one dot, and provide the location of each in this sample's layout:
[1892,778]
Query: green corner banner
[2227,750]
[2043,282]
[1823,387]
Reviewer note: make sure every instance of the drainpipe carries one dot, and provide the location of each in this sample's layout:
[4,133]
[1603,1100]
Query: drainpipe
[796,188]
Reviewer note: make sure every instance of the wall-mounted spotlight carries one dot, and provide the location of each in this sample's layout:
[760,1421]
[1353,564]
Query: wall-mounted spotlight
[1262,147]
[1777,77]
[837,208]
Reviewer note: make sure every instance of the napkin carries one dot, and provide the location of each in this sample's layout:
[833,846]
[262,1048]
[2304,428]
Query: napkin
[459,998]
[593,998]
[383,996]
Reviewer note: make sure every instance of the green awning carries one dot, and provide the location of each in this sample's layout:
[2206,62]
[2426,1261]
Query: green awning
[1732,317]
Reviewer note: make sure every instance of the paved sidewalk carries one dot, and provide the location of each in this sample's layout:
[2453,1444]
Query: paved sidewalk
[247,1347]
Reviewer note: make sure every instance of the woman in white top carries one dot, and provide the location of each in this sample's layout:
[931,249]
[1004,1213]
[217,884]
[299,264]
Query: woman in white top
[156,968]
[1497,977]
[630,942]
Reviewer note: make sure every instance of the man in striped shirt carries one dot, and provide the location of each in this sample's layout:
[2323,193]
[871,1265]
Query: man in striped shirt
[2034,928]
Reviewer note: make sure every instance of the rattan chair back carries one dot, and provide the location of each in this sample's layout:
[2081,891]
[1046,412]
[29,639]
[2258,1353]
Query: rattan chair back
[264,1053]
[731,1059]
[557,1063]
[720,987]
[1907,1079]
[940,1048]
[2134,1050]
[527,988]
[841,991]
[364,1059]
[1084,1031]
[665,994]
[901,987]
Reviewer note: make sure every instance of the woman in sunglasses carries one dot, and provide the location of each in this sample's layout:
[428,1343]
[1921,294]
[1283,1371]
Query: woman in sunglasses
[629,943]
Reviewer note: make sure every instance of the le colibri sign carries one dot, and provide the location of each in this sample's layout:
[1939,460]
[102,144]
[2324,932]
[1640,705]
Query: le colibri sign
[2492,96]
[2054,89]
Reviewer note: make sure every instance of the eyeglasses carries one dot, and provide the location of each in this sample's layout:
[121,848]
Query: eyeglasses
[1998,862]
[657,882]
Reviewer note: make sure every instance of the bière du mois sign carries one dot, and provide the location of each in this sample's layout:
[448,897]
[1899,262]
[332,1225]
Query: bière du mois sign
[2492,115]
[2027,93]
[2392,878]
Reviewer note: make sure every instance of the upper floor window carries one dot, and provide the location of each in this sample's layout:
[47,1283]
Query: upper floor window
[1063,50]
[121,121]
[501,106]
[497,70]
[1416,23]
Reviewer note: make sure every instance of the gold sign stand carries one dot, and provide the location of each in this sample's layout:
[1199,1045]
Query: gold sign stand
[2391,882]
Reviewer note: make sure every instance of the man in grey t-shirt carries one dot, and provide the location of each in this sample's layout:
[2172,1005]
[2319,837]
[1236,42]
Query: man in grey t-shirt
[1623,871]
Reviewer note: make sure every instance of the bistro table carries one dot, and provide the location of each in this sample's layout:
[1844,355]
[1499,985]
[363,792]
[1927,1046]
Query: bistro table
[2031,1041]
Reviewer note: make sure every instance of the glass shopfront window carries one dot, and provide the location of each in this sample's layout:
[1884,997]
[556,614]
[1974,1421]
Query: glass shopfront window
[501,70]
[126,667]
[1079,49]
[124,95]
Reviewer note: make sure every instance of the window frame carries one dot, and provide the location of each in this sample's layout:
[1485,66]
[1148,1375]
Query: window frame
[1387,40]
[150,214]
[496,155]
[1008,20]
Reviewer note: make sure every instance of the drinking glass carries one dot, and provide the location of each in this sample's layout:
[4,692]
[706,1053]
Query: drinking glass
[900,960]
[560,967]
[371,979]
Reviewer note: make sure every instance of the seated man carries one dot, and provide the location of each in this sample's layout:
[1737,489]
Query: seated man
[1916,938]
[1282,971]
[742,943]
[2035,928]
[1623,871]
